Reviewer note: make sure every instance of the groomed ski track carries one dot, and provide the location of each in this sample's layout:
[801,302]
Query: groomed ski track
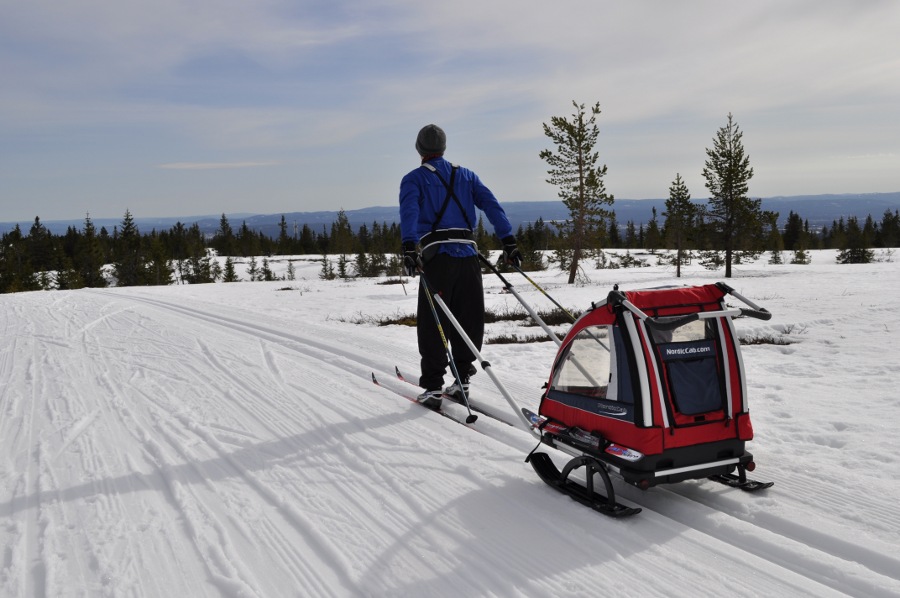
[160,445]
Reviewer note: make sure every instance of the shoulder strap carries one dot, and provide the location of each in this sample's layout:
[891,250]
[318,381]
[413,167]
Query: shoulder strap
[450,194]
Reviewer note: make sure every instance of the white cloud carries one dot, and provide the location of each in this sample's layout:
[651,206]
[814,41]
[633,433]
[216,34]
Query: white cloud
[214,165]
[340,85]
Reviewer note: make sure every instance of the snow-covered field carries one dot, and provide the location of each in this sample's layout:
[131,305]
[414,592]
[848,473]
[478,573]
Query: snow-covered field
[227,440]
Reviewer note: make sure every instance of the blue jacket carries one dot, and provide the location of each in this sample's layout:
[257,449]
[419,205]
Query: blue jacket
[422,194]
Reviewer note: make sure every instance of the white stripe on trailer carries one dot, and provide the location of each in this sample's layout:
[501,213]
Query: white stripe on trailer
[740,359]
[659,384]
[665,472]
[646,405]
[726,364]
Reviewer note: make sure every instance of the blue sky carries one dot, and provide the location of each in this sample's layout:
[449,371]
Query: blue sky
[183,108]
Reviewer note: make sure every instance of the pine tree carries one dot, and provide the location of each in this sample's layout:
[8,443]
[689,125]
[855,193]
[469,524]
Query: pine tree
[734,216]
[679,215]
[573,168]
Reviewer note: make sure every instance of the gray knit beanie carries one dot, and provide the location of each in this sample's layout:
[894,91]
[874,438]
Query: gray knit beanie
[431,141]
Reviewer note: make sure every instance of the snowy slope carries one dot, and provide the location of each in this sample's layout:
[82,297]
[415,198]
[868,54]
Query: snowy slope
[226,440]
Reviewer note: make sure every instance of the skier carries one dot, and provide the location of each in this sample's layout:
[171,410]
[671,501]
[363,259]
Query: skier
[437,223]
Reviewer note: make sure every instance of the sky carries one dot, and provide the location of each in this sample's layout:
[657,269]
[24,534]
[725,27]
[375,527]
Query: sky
[176,108]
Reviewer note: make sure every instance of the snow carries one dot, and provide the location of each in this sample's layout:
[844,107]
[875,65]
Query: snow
[227,440]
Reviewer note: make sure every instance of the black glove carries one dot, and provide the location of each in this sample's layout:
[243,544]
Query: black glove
[511,252]
[412,261]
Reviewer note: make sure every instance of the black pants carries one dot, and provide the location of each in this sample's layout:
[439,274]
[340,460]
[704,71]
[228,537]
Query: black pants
[458,281]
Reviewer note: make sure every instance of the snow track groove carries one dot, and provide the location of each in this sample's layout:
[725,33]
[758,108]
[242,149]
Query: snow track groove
[158,445]
[728,529]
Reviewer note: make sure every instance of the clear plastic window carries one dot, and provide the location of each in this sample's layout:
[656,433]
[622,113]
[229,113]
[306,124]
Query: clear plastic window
[697,330]
[587,365]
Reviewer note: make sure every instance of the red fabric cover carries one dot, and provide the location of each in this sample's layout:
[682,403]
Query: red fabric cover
[745,428]
[655,440]
[678,300]
[711,432]
[646,440]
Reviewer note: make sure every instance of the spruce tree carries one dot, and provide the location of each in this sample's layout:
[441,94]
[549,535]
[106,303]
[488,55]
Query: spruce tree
[158,269]
[793,229]
[230,274]
[615,237]
[856,246]
[224,241]
[89,258]
[129,264]
[483,239]
[775,240]
[266,271]
[342,237]
[40,247]
[248,242]
[253,269]
[653,237]
[307,240]
[889,234]
[284,240]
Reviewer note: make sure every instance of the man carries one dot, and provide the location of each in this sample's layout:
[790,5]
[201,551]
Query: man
[437,223]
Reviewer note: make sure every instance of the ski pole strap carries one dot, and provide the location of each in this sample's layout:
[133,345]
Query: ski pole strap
[451,194]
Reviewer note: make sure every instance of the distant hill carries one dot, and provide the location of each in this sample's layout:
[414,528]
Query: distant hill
[819,210]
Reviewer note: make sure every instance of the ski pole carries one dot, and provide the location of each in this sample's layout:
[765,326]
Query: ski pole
[584,370]
[472,417]
[556,303]
[547,295]
[519,298]
[485,365]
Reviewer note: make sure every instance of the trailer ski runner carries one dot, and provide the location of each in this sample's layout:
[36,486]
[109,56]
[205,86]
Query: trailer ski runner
[649,386]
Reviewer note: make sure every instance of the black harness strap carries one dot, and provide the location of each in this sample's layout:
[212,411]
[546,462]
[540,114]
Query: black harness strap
[450,194]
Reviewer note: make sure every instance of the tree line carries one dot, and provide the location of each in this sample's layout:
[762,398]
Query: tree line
[88,257]
[727,228]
